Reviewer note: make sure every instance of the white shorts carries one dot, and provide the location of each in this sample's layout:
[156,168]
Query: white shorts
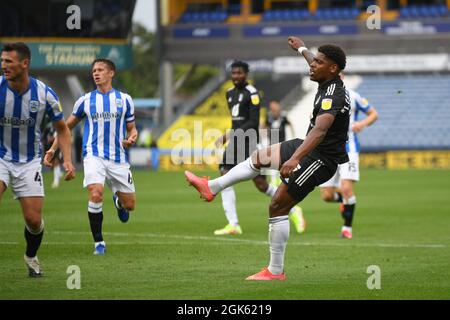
[117,175]
[345,171]
[26,178]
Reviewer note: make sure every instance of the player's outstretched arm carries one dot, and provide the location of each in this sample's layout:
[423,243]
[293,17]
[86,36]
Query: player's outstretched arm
[132,135]
[296,43]
[65,143]
[314,137]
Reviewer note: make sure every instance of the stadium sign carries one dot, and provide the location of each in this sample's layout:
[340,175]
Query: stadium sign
[282,31]
[414,27]
[375,63]
[78,56]
[201,32]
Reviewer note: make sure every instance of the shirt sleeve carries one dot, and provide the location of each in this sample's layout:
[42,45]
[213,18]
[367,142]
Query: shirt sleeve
[331,104]
[78,108]
[362,104]
[255,100]
[129,115]
[53,106]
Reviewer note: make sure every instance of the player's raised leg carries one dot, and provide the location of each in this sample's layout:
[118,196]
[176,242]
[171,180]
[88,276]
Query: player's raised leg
[250,168]
[34,231]
[124,203]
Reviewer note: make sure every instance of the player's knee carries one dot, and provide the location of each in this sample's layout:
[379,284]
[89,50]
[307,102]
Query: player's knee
[255,159]
[347,192]
[96,197]
[326,195]
[277,208]
[33,223]
[129,204]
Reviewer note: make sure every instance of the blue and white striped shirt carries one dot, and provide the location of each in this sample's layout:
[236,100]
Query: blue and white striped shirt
[357,104]
[21,116]
[105,125]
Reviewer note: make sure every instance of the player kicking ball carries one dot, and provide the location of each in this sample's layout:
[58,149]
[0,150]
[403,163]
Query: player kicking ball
[303,164]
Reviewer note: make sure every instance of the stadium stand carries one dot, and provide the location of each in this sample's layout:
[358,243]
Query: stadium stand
[413,110]
[423,11]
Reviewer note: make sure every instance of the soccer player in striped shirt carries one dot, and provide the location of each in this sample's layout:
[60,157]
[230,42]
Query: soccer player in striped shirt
[109,129]
[340,187]
[24,101]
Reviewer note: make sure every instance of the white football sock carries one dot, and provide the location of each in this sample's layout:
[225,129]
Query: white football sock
[243,171]
[271,191]
[350,201]
[56,175]
[229,205]
[278,237]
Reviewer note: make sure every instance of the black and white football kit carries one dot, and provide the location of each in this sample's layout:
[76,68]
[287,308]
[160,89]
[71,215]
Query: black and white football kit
[321,163]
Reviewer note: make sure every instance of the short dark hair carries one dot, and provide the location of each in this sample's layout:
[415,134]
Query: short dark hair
[240,64]
[23,51]
[334,53]
[108,62]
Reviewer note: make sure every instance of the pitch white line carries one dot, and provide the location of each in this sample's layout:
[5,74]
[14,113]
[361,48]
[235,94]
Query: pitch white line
[345,243]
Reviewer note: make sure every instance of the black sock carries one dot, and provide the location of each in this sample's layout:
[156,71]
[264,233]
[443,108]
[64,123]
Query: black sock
[33,242]
[339,197]
[349,209]
[95,220]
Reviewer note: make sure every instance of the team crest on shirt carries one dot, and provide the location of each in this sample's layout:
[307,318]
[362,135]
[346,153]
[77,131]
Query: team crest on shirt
[34,106]
[255,99]
[326,104]
[241,96]
[119,103]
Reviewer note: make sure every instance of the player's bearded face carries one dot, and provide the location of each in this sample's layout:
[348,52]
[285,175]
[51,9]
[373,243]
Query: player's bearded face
[102,74]
[238,76]
[12,67]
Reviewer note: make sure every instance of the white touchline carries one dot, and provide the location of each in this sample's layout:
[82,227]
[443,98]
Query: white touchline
[223,240]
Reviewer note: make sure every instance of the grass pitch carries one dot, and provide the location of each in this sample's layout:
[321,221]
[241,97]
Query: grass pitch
[167,250]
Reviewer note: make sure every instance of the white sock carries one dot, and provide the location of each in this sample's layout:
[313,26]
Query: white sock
[271,191]
[229,205]
[278,237]
[345,228]
[98,243]
[56,175]
[243,171]
[351,200]
[94,207]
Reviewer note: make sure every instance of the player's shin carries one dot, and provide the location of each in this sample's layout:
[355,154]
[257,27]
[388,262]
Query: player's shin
[95,212]
[278,237]
[349,210]
[33,239]
[243,171]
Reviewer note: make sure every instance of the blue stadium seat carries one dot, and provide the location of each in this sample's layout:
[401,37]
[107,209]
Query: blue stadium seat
[405,120]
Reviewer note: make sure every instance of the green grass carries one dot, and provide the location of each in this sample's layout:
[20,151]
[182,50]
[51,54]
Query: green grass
[167,249]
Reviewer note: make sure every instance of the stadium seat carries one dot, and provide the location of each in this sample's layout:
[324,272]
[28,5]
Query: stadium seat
[403,104]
